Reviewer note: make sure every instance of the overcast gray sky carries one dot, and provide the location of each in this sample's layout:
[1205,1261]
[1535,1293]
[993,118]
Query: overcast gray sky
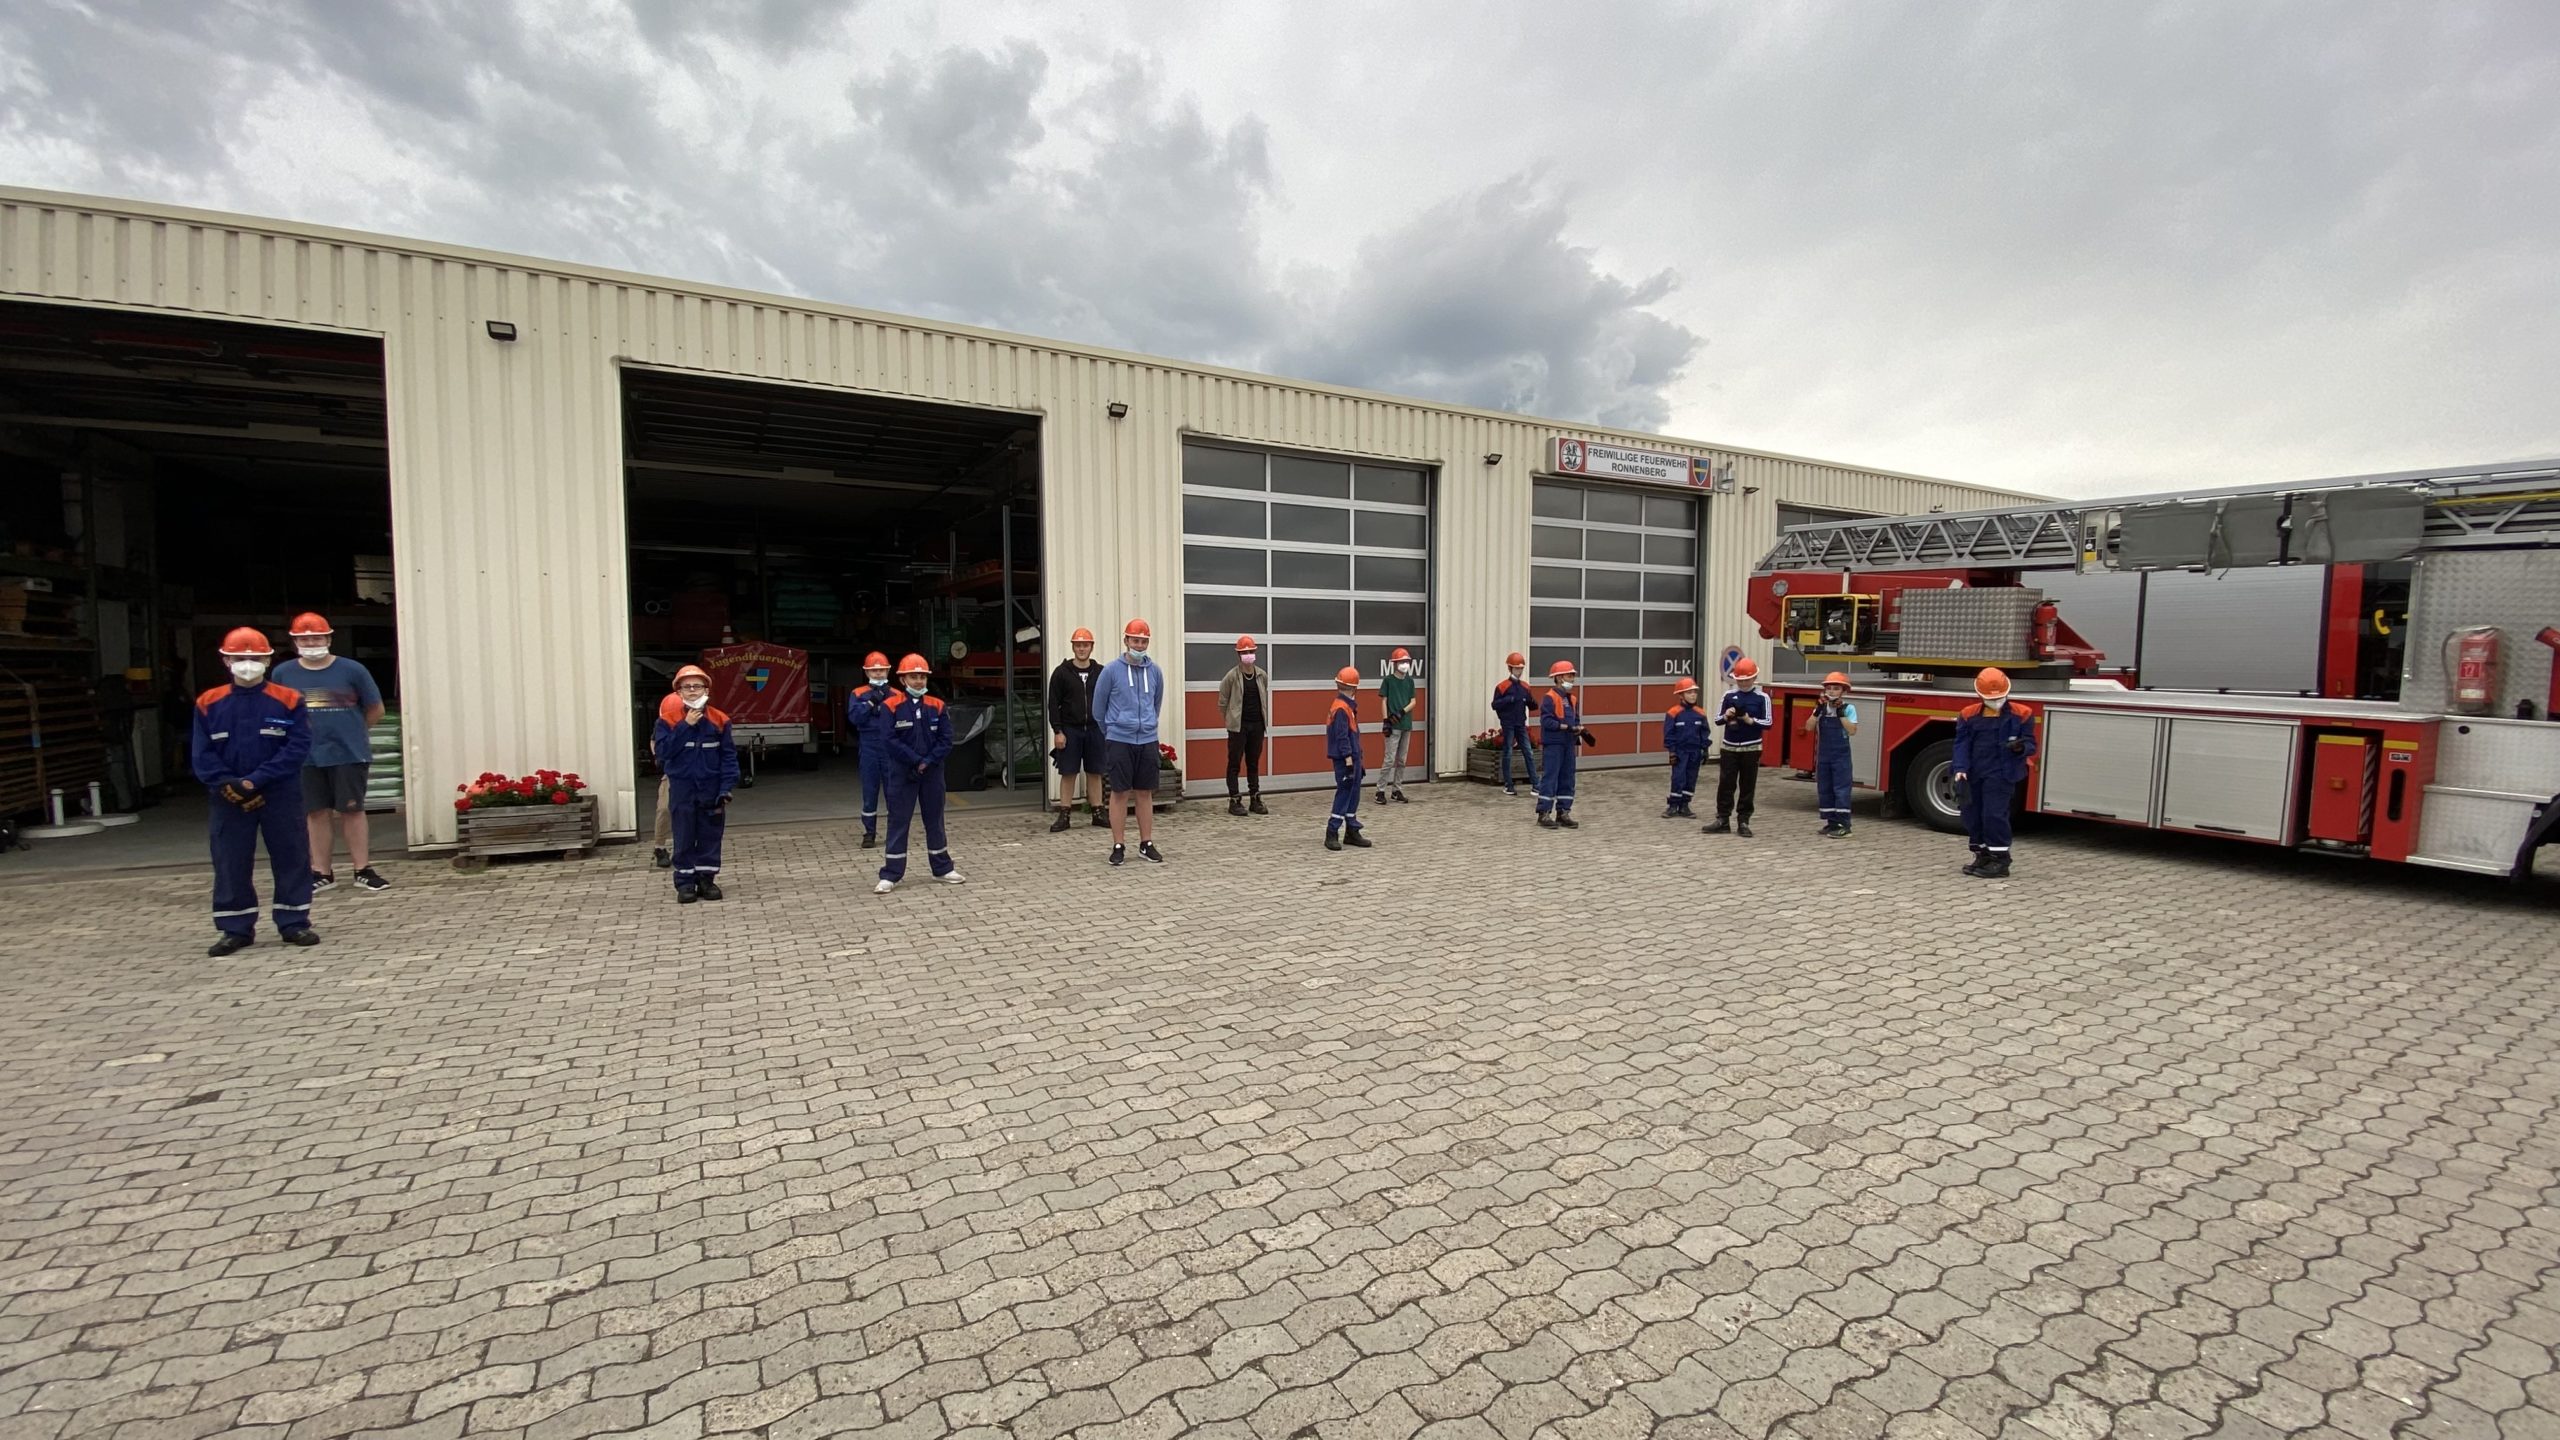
[2068,247]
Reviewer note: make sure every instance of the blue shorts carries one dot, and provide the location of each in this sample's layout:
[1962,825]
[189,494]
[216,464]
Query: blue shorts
[1131,769]
[1082,754]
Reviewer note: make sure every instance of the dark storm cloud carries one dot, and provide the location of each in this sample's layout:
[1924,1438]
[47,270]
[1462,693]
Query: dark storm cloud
[969,183]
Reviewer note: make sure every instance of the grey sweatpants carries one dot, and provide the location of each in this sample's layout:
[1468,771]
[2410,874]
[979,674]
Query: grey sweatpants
[1391,774]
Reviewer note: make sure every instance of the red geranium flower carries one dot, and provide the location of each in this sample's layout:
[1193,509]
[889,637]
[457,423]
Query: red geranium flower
[463,803]
[559,797]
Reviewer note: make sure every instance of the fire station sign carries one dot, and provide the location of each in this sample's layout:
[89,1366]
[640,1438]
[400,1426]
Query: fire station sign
[1568,456]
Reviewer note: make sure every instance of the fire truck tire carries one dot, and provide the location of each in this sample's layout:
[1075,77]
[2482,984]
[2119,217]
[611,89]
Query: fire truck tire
[1929,788]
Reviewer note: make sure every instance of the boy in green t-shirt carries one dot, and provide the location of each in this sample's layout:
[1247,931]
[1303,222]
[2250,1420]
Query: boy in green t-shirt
[1397,691]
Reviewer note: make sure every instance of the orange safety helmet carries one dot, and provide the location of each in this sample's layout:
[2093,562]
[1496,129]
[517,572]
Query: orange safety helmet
[309,622]
[1137,627]
[875,661]
[1244,643]
[1081,637]
[1685,686]
[914,665]
[1398,653]
[690,672]
[1515,658]
[1836,678]
[1347,675]
[1561,667]
[1992,683]
[1746,668]
[247,640]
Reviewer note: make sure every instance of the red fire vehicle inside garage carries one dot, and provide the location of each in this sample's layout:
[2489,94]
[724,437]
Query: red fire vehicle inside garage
[2460,769]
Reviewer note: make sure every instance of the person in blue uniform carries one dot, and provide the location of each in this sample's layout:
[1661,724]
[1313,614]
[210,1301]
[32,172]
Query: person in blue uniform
[919,741]
[1684,734]
[1512,702]
[699,756]
[1561,736]
[1994,740]
[1743,720]
[1342,747]
[251,737]
[1833,721]
[866,714]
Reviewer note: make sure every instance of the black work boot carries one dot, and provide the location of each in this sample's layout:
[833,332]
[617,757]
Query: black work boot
[1995,867]
[710,889]
[1717,826]
[1235,804]
[231,944]
[1565,820]
[1356,838]
[1065,818]
[662,857]
[1332,840]
[1742,828]
[1253,804]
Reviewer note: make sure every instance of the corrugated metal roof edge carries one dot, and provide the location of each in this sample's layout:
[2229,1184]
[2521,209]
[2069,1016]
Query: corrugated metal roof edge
[437,250]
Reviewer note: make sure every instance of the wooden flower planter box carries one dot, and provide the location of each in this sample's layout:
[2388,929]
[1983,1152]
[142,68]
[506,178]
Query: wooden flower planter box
[1485,766]
[568,831]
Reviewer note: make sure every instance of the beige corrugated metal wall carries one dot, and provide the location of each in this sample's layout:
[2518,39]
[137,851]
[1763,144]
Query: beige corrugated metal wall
[507,480]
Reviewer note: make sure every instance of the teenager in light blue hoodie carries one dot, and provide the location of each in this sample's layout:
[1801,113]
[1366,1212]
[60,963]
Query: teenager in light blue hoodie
[1128,703]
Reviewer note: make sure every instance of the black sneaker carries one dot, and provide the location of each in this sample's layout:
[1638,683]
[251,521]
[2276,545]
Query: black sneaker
[710,890]
[1101,820]
[231,944]
[663,859]
[1332,841]
[1119,854]
[1742,828]
[686,894]
[1357,840]
[1507,790]
[1065,818]
[301,935]
[323,880]
[1398,797]
[1716,827]
[1382,798]
[1253,806]
[1840,833]
[1567,822]
[370,881]
[1147,851]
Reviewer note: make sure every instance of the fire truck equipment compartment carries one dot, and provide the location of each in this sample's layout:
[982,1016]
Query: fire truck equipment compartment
[2345,770]
[2103,765]
[2231,777]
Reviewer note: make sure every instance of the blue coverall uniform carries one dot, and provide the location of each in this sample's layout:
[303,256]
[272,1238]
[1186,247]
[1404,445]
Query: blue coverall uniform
[868,717]
[1684,734]
[1992,748]
[256,737]
[1560,735]
[700,762]
[919,738]
[1511,702]
[1831,761]
[1342,747]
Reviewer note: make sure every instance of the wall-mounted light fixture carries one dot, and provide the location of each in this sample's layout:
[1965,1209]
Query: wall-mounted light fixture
[502,330]
[1493,458]
[1117,409]
[1750,489]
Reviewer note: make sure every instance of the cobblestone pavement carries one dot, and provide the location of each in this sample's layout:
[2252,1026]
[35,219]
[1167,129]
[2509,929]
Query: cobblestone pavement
[1487,1132]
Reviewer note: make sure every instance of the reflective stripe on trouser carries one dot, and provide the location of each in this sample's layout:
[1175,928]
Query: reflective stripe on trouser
[700,826]
[871,794]
[1831,786]
[1684,775]
[1737,784]
[1391,773]
[1518,736]
[1555,785]
[235,834]
[907,794]
[1986,812]
[1346,798]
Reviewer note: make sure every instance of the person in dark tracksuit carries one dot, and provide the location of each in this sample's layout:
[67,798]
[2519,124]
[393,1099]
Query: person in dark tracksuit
[919,741]
[866,713]
[1561,736]
[1994,740]
[250,739]
[1342,747]
[1833,721]
[1744,719]
[1075,737]
[1512,702]
[1684,734]
[699,756]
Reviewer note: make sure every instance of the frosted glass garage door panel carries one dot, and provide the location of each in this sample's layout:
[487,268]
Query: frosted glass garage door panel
[2101,765]
[2246,630]
[2230,777]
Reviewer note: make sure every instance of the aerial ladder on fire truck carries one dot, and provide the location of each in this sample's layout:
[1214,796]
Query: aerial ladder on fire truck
[2456,763]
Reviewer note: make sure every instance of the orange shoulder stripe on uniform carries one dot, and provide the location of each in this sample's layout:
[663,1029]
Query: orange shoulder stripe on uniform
[933,700]
[716,716]
[1969,712]
[2025,710]
[205,700]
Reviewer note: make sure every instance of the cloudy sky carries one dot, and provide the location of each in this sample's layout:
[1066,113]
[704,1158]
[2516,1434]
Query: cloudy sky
[2070,247]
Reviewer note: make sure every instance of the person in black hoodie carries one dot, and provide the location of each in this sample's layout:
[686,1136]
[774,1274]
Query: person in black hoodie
[1074,738]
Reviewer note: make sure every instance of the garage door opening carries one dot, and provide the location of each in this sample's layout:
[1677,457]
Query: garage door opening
[163,479]
[778,533]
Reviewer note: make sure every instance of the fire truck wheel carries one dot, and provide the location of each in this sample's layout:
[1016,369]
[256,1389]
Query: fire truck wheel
[1929,788]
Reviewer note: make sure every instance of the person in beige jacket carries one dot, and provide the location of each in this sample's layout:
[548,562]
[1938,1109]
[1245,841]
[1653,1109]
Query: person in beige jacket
[1244,698]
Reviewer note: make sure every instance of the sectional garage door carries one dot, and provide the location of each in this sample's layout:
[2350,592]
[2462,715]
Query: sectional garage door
[1327,563]
[1613,587]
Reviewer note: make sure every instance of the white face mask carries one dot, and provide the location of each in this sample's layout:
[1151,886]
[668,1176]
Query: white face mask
[1247,658]
[1134,657]
[694,702]
[315,652]
[1993,705]
[1404,667]
[1564,684]
[248,672]
[915,687]
[877,677]
[1517,672]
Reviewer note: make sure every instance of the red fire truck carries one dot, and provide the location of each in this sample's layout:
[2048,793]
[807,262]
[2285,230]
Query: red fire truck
[2421,731]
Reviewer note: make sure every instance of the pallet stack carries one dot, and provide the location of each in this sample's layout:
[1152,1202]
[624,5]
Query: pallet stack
[31,609]
[50,737]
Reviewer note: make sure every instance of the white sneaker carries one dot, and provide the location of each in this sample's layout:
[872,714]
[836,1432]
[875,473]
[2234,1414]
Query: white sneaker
[884,887]
[954,878]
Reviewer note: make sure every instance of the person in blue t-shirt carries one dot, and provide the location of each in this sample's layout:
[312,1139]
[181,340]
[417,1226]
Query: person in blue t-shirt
[343,702]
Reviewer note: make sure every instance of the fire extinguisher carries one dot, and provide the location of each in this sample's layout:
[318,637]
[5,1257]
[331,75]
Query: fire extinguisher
[2047,633]
[2473,668]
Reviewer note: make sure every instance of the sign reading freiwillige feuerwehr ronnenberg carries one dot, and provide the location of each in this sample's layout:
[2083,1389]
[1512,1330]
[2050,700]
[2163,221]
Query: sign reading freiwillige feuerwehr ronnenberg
[1568,456]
